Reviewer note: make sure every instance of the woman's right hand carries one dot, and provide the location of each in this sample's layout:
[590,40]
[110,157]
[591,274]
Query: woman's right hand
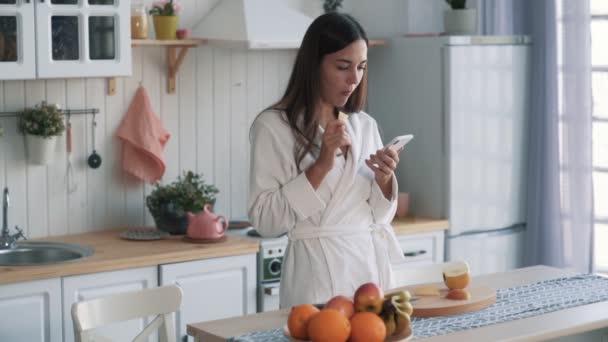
[334,138]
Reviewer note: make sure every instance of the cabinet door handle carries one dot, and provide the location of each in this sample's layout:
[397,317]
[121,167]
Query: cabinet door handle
[414,253]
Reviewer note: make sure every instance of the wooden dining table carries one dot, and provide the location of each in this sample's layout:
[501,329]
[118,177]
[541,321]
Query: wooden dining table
[581,322]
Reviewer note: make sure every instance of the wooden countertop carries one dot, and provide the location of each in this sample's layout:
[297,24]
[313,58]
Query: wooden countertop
[411,225]
[541,327]
[113,253]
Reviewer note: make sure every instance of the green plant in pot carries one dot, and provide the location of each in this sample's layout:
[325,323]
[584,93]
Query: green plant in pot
[460,20]
[169,203]
[457,4]
[41,126]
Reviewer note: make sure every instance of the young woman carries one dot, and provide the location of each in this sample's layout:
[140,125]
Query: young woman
[321,176]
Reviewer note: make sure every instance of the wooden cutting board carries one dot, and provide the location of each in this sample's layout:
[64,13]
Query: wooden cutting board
[433,306]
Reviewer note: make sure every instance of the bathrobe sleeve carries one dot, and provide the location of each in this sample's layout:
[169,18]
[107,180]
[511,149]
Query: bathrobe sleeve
[279,196]
[383,209]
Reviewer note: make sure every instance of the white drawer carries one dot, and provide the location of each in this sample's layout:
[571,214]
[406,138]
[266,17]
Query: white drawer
[426,247]
[415,250]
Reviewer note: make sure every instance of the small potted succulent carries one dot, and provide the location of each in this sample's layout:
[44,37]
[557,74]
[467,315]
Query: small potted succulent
[169,203]
[41,126]
[460,20]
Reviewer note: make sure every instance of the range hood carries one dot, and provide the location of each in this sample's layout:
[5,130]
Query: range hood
[253,24]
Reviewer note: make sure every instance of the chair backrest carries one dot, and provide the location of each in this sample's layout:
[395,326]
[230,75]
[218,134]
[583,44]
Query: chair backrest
[406,274]
[95,313]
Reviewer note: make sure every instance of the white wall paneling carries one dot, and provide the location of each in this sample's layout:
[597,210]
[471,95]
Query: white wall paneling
[219,93]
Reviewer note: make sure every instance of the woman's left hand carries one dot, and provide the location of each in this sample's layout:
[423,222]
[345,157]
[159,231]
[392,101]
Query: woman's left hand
[384,163]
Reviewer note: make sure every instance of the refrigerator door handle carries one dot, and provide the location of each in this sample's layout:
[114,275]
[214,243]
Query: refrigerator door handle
[480,233]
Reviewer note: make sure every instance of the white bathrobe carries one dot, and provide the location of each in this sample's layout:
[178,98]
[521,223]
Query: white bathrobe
[339,235]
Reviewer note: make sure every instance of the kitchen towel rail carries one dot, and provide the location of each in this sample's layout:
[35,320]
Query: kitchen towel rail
[63,111]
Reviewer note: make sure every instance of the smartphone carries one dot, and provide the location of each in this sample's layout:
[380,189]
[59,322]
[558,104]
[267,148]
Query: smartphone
[398,142]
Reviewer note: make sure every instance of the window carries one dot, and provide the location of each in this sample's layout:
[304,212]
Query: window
[599,84]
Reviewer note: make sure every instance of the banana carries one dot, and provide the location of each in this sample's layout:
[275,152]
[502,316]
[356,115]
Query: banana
[396,311]
[402,322]
[403,295]
[390,324]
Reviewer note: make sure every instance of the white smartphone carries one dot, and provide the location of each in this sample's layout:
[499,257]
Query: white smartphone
[398,142]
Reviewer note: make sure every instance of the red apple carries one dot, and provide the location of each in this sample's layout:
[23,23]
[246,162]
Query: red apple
[369,297]
[342,304]
[183,33]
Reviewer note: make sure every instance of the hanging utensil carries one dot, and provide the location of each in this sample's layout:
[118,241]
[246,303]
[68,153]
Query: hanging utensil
[94,160]
[72,186]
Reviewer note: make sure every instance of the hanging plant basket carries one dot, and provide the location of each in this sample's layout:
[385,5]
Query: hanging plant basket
[40,150]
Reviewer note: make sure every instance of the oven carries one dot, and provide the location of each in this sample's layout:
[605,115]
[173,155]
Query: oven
[269,263]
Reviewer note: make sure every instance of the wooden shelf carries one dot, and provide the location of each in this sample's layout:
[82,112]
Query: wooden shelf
[175,43]
[177,50]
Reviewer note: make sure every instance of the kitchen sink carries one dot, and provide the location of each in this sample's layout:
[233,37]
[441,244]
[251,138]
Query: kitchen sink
[43,253]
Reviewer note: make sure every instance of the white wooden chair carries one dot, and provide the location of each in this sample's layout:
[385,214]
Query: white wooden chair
[406,274]
[161,301]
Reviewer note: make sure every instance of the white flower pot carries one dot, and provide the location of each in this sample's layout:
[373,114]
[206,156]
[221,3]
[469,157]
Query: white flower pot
[40,150]
[460,22]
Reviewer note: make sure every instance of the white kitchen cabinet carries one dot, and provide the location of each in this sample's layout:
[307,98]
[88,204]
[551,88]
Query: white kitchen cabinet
[423,247]
[69,38]
[213,288]
[17,40]
[31,311]
[89,286]
[418,249]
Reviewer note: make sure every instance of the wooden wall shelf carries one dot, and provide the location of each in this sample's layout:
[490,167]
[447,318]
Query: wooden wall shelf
[175,43]
[176,51]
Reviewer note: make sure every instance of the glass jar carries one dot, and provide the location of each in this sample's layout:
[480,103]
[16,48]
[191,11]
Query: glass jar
[139,21]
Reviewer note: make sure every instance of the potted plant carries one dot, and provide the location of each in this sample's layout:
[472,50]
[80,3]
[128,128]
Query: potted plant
[460,20]
[332,5]
[168,204]
[41,126]
[165,18]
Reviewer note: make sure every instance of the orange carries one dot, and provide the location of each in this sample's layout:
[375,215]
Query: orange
[367,327]
[298,319]
[329,325]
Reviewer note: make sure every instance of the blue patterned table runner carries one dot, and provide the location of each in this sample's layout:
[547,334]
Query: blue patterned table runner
[511,304]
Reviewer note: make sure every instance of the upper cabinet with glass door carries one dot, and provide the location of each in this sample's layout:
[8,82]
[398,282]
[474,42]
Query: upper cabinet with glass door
[17,44]
[72,38]
[77,38]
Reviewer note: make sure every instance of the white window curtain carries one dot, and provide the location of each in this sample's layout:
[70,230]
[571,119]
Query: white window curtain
[560,187]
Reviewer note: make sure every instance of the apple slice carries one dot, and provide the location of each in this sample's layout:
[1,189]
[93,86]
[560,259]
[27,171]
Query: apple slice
[456,275]
[343,117]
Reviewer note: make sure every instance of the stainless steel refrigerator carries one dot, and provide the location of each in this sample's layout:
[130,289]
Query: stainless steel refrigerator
[465,100]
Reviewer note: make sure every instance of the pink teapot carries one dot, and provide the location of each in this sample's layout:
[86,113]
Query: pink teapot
[206,225]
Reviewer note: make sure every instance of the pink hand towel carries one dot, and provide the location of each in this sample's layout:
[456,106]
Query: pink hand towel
[143,139]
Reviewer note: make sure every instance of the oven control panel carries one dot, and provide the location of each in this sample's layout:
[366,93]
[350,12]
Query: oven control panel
[272,260]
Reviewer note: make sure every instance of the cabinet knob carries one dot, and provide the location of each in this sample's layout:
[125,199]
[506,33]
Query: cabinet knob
[414,253]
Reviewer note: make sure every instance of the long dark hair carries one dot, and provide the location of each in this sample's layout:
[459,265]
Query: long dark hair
[327,34]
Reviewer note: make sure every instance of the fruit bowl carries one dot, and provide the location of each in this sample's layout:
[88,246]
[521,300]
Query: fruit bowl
[397,338]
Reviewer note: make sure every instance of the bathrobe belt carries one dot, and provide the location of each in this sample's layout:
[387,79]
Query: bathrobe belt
[383,235]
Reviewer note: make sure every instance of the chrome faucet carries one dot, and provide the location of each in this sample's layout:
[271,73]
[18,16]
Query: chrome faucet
[6,239]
